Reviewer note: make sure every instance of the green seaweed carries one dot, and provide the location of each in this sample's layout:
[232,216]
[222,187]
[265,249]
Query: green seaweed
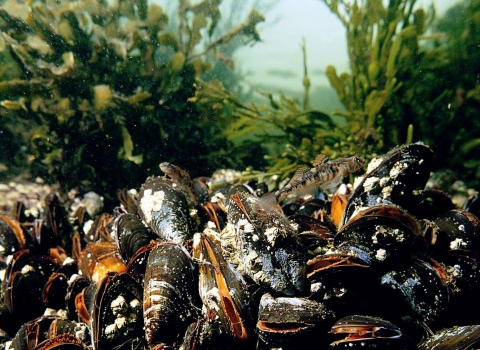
[96,93]
[412,78]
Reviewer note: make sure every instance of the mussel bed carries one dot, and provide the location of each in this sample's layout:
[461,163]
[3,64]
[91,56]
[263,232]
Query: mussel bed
[205,264]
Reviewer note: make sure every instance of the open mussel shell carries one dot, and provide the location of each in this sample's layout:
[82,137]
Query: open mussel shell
[222,290]
[168,294]
[165,210]
[369,332]
[131,235]
[455,338]
[331,263]
[268,247]
[383,231]
[398,179]
[286,322]
[338,280]
[117,314]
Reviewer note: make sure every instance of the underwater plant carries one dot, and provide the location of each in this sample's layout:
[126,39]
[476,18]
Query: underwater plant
[412,78]
[96,92]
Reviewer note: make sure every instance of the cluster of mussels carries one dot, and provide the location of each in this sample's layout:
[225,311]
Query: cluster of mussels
[181,265]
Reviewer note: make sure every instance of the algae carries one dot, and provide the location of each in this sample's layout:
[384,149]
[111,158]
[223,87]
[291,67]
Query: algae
[96,93]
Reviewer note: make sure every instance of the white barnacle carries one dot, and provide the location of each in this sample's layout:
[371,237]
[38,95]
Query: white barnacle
[110,329]
[81,331]
[151,202]
[399,237]
[260,277]
[271,234]
[384,181]
[68,261]
[454,271]
[457,243]
[26,269]
[248,228]
[211,225]
[315,287]
[120,322]
[242,223]
[381,254]
[118,305]
[397,169]
[218,197]
[87,226]
[50,312]
[387,191]
[374,163]
[212,298]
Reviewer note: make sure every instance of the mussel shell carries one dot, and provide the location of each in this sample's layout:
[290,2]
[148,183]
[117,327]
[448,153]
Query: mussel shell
[168,294]
[165,210]
[268,247]
[13,237]
[215,213]
[75,286]
[55,291]
[61,342]
[455,338]
[415,290]
[433,203]
[222,290]
[398,179]
[61,326]
[85,302]
[295,321]
[9,324]
[25,277]
[131,235]
[117,314]
[339,281]
[384,231]
[458,229]
[356,323]
[32,332]
[138,263]
[99,258]
[369,332]
[324,263]
[202,190]
[462,275]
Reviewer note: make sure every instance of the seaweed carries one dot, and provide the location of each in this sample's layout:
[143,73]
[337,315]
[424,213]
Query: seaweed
[412,78]
[96,93]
